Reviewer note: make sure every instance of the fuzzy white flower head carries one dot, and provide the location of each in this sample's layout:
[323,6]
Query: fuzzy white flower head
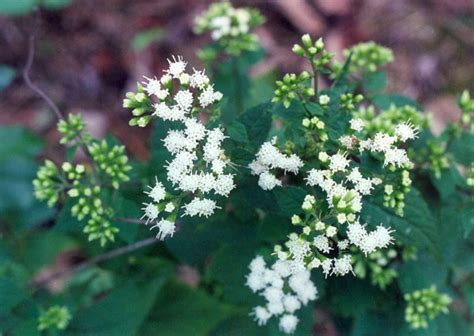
[288,323]
[176,66]
[347,141]
[153,87]
[357,124]
[157,192]
[200,207]
[321,242]
[184,99]
[382,142]
[199,79]
[165,228]
[397,157]
[267,181]
[170,207]
[342,266]
[406,131]
[338,162]
[209,96]
[151,212]
[261,315]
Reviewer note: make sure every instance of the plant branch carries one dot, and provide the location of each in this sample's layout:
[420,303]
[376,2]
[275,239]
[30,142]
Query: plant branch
[96,260]
[130,220]
[34,87]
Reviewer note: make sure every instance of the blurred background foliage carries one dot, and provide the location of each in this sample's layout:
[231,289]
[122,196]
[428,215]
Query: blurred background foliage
[88,54]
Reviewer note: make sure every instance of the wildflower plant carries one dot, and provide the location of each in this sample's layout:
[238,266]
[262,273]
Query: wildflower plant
[318,190]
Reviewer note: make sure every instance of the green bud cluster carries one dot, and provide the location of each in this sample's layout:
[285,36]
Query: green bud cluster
[90,207]
[378,266]
[437,157]
[293,87]
[48,183]
[315,131]
[141,105]
[230,27]
[348,101]
[394,194]
[314,51]
[470,176]
[71,128]
[424,305]
[111,160]
[55,318]
[365,57]
[386,120]
[466,104]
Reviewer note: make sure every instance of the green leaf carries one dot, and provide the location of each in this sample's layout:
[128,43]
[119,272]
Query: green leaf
[383,101]
[11,295]
[237,131]
[374,83]
[289,199]
[467,218]
[417,227]
[121,312]
[181,310]
[463,148]
[230,266]
[143,39]
[16,7]
[257,122]
[7,74]
[421,273]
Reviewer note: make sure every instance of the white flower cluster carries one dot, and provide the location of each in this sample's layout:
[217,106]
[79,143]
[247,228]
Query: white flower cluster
[269,158]
[384,143]
[285,292]
[199,163]
[166,227]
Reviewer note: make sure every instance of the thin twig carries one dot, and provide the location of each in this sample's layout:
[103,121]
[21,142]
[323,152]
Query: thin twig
[96,260]
[130,220]
[31,85]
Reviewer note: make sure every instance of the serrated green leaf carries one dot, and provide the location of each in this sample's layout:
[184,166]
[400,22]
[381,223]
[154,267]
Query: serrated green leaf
[463,148]
[237,131]
[121,312]
[180,310]
[289,199]
[417,227]
[257,122]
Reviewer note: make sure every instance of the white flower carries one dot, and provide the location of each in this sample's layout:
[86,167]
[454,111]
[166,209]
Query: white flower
[347,141]
[176,66]
[383,236]
[255,282]
[224,184]
[184,99]
[291,303]
[322,243]
[343,244]
[157,192]
[357,124]
[338,162]
[356,233]
[397,157]
[382,142]
[327,267]
[199,79]
[324,99]
[288,323]
[267,181]
[209,96]
[342,266]
[257,265]
[151,212]
[153,87]
[195,131]
[316,177]
[165,228]
[261,315]
[406,131]
[200,207]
